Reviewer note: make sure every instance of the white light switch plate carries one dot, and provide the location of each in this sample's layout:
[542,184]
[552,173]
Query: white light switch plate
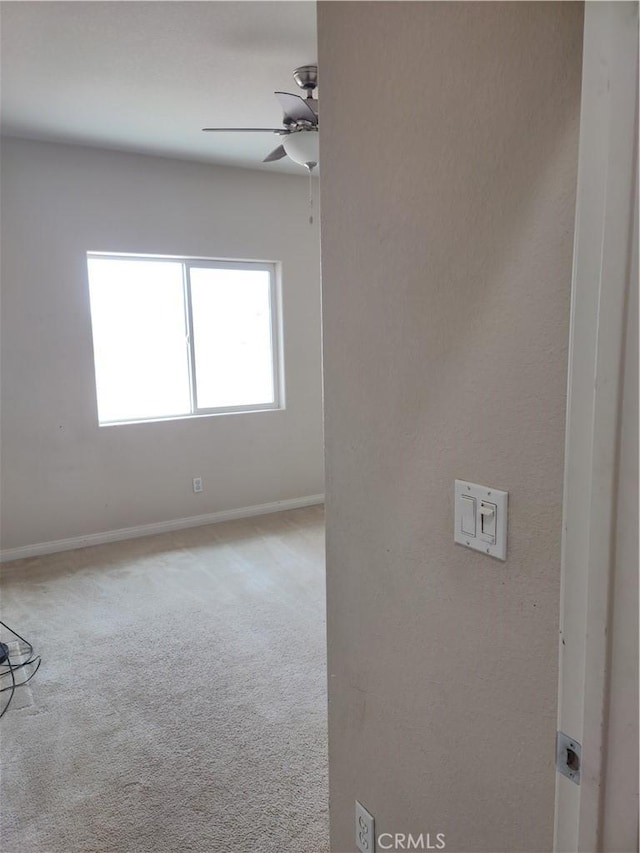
[489,510]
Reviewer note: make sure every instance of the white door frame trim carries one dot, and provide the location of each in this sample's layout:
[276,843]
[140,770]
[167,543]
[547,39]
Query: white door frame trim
[601,280]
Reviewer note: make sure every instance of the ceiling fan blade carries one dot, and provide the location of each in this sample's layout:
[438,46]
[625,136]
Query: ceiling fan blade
[296,108]
[277,154]
[244,129]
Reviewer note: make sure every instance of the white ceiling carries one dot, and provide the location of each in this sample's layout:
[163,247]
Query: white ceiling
[147,76]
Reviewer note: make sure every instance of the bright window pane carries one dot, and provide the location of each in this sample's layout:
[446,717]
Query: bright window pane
[139,339]
[231,312]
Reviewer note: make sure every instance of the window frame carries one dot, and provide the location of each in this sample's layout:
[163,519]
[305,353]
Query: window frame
[273,268]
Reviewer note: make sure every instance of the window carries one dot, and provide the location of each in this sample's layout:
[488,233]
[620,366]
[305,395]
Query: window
[177,337]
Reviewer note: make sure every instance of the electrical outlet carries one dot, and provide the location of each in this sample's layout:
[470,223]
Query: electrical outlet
[365,830]
[197,485]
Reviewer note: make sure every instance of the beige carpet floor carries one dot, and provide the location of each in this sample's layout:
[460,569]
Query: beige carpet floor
[181,702]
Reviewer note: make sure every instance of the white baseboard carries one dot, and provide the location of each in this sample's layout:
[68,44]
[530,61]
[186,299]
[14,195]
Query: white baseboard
[122,533]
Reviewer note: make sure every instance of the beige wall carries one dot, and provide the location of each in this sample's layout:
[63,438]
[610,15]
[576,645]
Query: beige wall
[62,475]
[449,154]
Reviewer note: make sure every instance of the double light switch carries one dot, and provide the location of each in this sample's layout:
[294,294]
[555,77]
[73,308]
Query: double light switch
[481,518]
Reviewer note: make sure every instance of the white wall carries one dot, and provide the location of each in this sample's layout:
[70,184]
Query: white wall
[448,197]
[620,801]
[598,648]
[62,475]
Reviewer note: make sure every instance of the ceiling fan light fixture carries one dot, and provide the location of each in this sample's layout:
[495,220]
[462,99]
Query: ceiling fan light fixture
[303,147]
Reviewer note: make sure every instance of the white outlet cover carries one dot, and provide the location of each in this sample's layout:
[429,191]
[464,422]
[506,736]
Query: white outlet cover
[500,500]
[365,830]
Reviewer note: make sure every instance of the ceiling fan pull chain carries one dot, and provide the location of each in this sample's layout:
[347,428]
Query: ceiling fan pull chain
[310,196]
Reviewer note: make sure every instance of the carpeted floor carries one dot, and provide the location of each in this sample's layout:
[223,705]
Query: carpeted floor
[181,702]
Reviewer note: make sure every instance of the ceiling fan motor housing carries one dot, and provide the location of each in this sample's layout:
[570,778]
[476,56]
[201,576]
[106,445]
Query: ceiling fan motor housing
[306,77]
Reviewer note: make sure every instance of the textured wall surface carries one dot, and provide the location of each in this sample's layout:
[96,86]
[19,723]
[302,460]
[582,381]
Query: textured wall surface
[449,151]
[62,475]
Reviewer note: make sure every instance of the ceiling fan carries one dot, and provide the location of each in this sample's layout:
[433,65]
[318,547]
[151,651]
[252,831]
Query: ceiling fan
[300,122]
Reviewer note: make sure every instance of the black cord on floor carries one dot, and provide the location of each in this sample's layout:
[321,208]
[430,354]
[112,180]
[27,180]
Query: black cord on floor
[12,689]
[11,668]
